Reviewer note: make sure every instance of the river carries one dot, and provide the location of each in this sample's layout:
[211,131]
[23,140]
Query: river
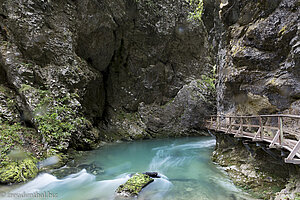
[184,164]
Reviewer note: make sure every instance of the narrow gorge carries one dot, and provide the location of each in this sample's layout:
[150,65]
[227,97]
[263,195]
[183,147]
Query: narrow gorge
[78,75]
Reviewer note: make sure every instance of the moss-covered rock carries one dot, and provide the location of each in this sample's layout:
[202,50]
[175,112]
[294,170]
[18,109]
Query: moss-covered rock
[16,172]
[134,185]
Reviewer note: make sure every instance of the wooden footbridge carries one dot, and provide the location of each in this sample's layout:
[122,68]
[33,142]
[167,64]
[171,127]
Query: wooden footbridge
[279,131]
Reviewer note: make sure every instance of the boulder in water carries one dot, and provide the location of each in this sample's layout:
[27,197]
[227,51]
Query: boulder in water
[152,174]
[134,185]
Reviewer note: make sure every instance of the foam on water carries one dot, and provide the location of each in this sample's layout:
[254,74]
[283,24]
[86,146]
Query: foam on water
[183,164]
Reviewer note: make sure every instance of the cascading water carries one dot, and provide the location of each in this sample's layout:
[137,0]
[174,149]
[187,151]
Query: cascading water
[183,164]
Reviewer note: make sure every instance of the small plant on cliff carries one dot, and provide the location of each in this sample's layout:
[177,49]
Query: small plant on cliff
[55,123]
[197,6]
[57,120]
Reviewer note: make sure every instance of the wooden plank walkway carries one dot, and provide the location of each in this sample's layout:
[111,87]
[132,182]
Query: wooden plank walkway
[272,129]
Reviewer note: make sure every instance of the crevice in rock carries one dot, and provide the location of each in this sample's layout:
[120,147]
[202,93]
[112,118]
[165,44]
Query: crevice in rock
[106,103]
[24,118]
[3,76]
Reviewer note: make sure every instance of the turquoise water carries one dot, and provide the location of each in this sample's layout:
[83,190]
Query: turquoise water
[184,164]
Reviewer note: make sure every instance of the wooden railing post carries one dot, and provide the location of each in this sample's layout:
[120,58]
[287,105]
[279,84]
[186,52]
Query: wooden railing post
[241,125]
[276,141]
[218,122]
[211,122]
[261,128]
[229,127]
[280,130]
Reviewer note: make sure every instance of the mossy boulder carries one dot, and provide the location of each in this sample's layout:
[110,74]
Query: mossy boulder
[16,172]
[134,185]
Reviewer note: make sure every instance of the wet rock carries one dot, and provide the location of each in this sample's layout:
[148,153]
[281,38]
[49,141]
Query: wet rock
[292,190]
[258,173]
[79,72]
[65,171]
[92,168]
[8,106]
[71,168]
[134,185]
[152,174]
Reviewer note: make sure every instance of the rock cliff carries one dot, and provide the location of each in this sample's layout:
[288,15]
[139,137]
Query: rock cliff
[260,70]
[73,73]
[258,73]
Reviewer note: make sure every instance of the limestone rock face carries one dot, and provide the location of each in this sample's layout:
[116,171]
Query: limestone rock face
[258,73]
[158,60]
[181,116]
[83,71]
[261,63]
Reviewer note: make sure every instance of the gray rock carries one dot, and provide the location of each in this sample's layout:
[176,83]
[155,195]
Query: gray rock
[262,56]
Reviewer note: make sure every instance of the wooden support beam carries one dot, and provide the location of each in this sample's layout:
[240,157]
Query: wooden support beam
[293,161]
[275,139]
[261,128]
[237,129]
[211,122]
[256,135]
[294,151]
[230,126]
[281,131]
[241,126]
[238,133]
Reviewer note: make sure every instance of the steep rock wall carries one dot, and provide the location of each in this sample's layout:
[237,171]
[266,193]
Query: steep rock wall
[260,72]
[77,72]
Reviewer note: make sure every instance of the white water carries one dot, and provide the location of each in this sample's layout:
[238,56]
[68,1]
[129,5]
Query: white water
[184,164]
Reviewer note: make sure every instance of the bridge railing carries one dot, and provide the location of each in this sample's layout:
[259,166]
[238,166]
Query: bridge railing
[281,131]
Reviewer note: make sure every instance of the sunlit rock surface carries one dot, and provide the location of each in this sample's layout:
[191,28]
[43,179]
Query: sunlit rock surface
[260,72]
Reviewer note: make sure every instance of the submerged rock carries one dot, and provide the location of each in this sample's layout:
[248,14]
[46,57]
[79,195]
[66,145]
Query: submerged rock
[134,185]
[92,168]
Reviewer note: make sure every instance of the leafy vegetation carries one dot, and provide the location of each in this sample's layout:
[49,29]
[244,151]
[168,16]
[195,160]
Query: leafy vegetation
[56,120]
[10,137]
[210,80]
[20,165]
[197,6]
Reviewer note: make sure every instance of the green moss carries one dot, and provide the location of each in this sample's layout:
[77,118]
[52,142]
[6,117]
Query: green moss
[282,30]
[237,49]
[135,184]
[56,123]
[208,80]
[16,172]
[56,118]
[197,6]
[16,164]
[10,138]
[25,88]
